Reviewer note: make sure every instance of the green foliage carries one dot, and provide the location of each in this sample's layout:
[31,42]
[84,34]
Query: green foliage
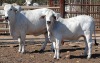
[95,0]
[20,2]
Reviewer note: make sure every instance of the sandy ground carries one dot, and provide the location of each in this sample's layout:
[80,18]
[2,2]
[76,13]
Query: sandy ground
[70,52]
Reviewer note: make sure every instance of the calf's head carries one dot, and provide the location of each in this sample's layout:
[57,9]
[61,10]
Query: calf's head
[28,2]
[50,17]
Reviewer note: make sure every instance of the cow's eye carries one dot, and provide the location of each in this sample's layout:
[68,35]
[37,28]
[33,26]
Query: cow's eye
[10,9]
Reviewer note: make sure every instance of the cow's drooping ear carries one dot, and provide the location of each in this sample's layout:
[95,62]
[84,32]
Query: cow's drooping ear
[43,16]
[17,8]
[15,11]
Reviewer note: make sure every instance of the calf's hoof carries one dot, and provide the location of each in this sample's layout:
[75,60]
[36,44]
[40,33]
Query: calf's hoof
[41,51]
[96,44]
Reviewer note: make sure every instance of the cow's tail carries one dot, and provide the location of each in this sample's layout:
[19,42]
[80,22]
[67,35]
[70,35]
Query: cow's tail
[95,41]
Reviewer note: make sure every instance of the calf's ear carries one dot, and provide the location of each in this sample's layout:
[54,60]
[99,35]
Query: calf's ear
[57,15]
[54,17]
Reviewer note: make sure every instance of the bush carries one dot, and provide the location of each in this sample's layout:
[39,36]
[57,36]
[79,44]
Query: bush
[20,2]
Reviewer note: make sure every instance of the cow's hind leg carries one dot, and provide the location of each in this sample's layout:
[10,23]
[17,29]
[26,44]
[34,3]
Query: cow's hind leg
[88,36]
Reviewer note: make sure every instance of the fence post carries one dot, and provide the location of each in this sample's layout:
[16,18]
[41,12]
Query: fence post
[62,8]
[50,3]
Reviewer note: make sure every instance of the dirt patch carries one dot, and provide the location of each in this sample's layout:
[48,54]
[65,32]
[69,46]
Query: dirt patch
[70,52]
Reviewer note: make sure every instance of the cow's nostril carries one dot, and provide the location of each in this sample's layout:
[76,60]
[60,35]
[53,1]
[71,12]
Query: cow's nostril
[6,18]
[48,22]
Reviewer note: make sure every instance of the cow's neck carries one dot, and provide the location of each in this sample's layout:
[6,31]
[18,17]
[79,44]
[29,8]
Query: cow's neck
[12,24]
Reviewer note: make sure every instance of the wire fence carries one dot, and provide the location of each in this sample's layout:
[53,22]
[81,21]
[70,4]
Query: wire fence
[72,8]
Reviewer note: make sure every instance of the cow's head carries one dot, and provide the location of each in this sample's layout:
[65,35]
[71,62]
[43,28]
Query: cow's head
[10,11]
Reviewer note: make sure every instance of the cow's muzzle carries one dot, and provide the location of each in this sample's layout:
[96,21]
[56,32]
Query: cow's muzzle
[48,22]
[6,18]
